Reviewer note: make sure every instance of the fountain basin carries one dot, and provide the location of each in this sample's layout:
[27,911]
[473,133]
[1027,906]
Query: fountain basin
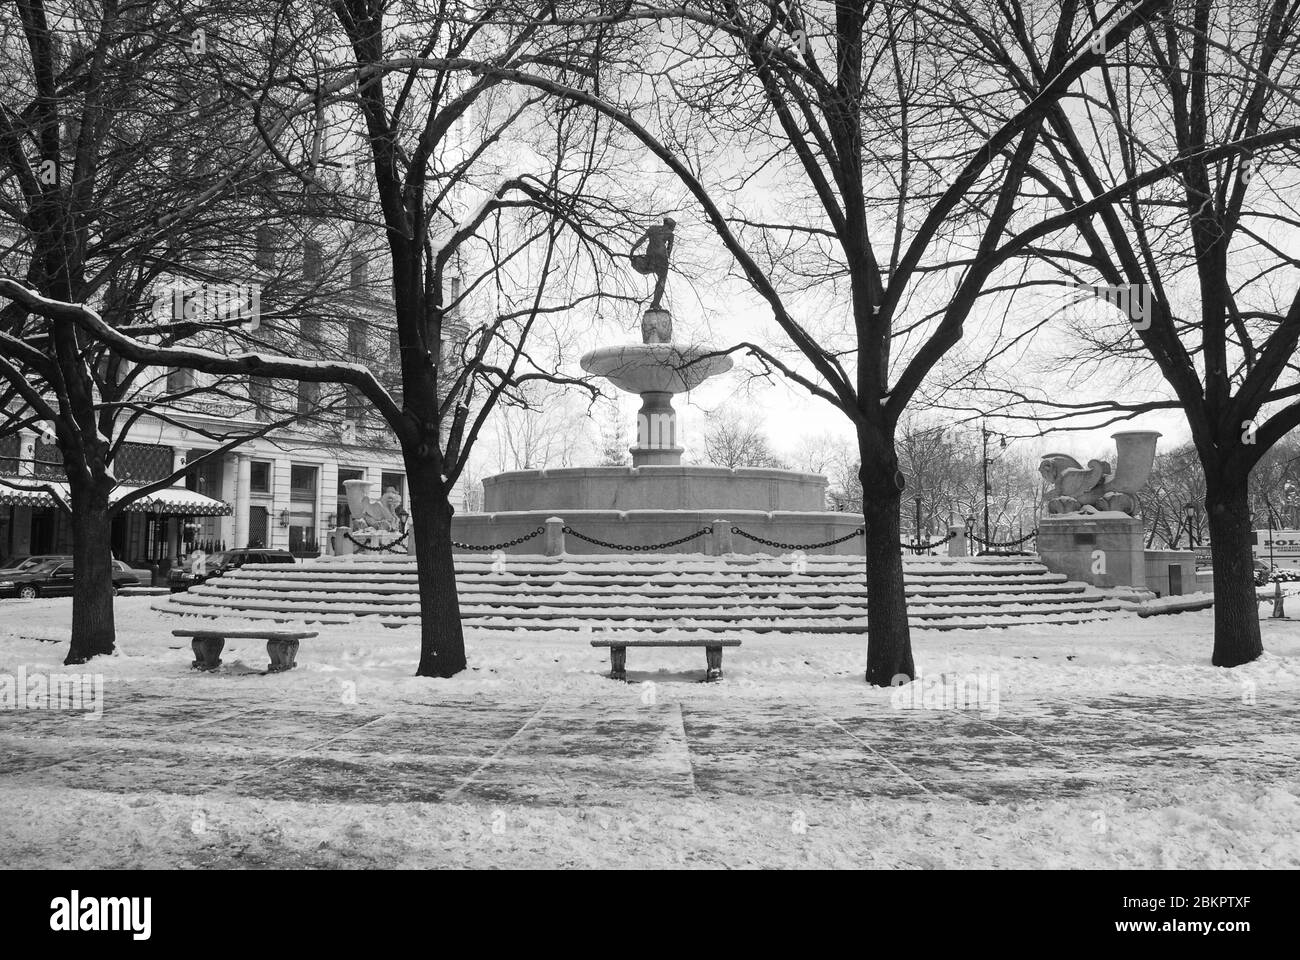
[674,487]
[655,367]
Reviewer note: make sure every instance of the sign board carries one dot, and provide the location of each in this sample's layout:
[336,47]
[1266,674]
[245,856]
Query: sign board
[1285,545]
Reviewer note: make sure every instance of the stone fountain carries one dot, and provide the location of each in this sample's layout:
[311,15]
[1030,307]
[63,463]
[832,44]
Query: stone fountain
[656,370]
[658,498]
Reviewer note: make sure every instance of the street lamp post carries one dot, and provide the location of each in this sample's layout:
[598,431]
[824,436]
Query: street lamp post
[1279,612]
[984,434]
[1189,514]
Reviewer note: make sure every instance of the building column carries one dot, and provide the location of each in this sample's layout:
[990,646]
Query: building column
[179,459]
[327,486]
[243,485]
[174,540]
[278,536]
[229,483]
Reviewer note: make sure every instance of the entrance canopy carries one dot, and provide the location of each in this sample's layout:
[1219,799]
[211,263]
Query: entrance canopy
[170,501]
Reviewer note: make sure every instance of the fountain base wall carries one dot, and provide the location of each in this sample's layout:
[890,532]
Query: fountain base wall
[654,488]
[641,528]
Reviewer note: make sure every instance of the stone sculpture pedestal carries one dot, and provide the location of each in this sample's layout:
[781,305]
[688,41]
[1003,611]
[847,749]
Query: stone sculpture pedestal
[346,542]
[1104,549]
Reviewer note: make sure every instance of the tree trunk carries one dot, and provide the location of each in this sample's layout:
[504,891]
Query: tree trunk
[1236,608]
[442,641]
[93,631]
[889,639]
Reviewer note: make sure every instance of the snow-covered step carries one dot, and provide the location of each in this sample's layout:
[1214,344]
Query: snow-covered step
[697,594]
[474,598]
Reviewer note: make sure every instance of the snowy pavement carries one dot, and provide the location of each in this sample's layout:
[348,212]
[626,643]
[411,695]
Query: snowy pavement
[1095,745]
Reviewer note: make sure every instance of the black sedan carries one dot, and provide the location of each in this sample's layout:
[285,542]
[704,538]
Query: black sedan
[215,564]
[52,578]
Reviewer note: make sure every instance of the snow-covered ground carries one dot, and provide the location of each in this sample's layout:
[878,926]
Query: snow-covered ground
[1100,744]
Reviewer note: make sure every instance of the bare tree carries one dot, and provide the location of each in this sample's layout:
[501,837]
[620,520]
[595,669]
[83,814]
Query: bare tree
[733,439]
[536,241]
[1193,250]
[898,194]
[111,136]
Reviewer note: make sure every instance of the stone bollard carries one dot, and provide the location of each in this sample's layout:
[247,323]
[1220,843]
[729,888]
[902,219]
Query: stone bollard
[721,539]
[554,537]
[342,545]
[957,545]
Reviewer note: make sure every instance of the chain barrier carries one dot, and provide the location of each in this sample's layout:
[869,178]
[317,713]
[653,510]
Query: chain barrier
[499,546]
[798,546]
[993,544]
[928,545]
[639,547]
[382,548]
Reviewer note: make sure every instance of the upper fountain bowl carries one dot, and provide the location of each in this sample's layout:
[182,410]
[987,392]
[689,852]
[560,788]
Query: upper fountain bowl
[655,367]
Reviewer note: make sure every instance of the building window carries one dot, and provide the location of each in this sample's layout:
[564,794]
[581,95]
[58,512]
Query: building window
[259,395]
[302,509]
[308,397]
[205,477]
[357,340]
[452,306]
[354,404]
[264,256]
[11,452]
[259,476]
[302,482]
[48,461]
[395,480]
[360,272]
[344,517]
[312,257]
[180,379]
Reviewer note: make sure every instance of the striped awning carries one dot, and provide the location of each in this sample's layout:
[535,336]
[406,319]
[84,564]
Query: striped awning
[12,496]
[170,501]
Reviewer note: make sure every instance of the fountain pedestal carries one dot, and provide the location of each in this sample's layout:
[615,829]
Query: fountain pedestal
[655,370]
[656,432]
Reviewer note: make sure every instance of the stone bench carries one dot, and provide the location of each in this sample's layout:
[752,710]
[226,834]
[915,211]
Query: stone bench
[281,646]
[712,653]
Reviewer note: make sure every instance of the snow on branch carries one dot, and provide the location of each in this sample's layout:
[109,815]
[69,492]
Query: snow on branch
[207,361]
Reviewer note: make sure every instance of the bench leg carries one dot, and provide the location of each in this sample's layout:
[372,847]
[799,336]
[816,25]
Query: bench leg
[618,663]
[713,658]
[283,654]
[207,652]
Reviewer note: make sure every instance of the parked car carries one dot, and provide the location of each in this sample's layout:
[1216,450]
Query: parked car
[120,566]
[142,574]
[26,563]
[51,578]
[184,577]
